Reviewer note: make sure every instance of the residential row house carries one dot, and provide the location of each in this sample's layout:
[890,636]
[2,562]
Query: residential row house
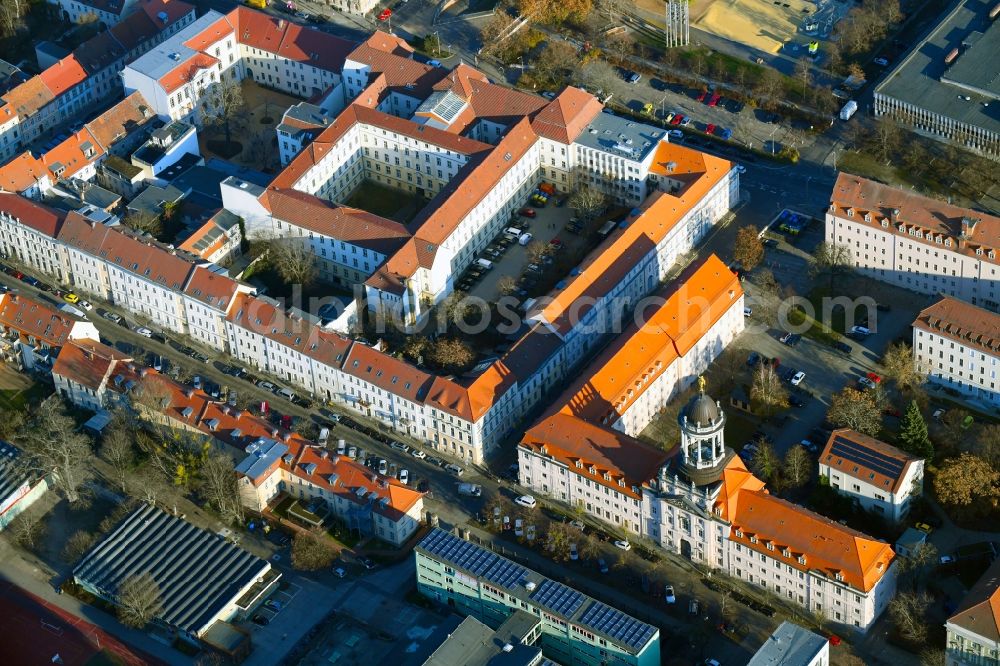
[956,345]
[104,12]
[88,78]
[915,242]
[32,333]
[973,631]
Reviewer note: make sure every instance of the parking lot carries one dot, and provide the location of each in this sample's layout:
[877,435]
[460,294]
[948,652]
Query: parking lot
[548,226]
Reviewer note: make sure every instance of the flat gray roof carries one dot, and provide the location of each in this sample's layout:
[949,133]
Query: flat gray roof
[789,645]
[261,454]
[621,136]
[923,79]
[164,58]
[472,643]
[198,573]
[630,634]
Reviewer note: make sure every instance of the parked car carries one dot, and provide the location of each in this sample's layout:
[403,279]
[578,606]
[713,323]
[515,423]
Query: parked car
[602,566]
[454,469]
[527,212]
[797,378]
[144,332]
[632,77]
[260,620]
[383,466]
[623,544]
[668,594]
[339,572]
[840,345]
[526,501]
[367,562]
[881,62]
[574,554]
[418,454]
[404,477]
[111,316]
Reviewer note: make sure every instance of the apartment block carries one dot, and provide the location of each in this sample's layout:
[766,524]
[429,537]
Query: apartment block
[957,346]
[973,631]
[575,629]
[915,242]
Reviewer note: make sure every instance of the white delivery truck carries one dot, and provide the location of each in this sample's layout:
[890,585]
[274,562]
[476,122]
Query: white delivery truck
[848,110]
[470,489]
[484,263]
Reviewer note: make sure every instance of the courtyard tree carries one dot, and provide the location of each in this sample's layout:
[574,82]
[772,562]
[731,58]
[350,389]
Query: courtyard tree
[312,551]
[599,75]
[967,485]
[77,545]
[11,421]
[748,248]
[913,436]
[451,354]
[28,527]
[765,461]
[556,63]
[851,408]
[797,468]
[832,260]
[293,260]
[416,347]
[767,392]
[12,13]
[139,600]
[558,540]
[908,612]
[987,444]
[767,92]
[55,446]
[588,202]
[145,222]
[220,489]
[227,106]
[536,251]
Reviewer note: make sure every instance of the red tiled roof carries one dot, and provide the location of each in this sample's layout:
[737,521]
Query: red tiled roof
[210,35]
[979,611]
[29,97]
[350,225]
[962,322]
[121,120]
[565,117]
[32,214]
[388,373]
[289,40]
[35,319]
[86,362]
[63,75]
[211,288]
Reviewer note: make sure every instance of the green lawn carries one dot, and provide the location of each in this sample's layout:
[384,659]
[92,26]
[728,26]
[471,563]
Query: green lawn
[386,202]
[19,399]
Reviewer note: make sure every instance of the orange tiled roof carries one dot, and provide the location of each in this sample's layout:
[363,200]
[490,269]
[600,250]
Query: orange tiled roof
[962,322]
[29,97]
[606,265]
[829,548]
[63,75]
[864,449]
[571,440]
[210,35]
[288,39]
[637,357]
[31,213]
[186,71]
[931,217]
[565,117]
[211,288]
[979,611]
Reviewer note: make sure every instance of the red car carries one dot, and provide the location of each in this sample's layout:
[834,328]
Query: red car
[710,129]
[875,378]
[556,243]
[678,119]
[527,212]
[715,99]
[702,96]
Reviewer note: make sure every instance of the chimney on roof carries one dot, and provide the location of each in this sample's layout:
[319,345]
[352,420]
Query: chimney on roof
[968,227]
[895,216]
[281,24]
[189,392]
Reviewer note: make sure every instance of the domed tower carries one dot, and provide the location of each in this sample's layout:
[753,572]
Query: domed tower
[703,447]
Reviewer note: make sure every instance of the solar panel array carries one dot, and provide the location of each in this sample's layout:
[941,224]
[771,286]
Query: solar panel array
[621,627]
[862,455]
[474,559]
[558,598]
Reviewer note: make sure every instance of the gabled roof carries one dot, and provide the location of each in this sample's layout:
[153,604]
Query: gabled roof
[571,440]
[828,547]
[387,372]
[86,362]
[289,39]
[32,214]
[186,71]
[868,459]
[209,35]
[350,225]
[27,98]
[63,75]
[565,117]
[35,319]
[633,361]
[979,612]
[931,217]
[212,289]
[962,322]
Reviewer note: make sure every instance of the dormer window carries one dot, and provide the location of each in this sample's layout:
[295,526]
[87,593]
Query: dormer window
[947,242]
[979,251]
[621,482]
[785,552]
[802,559]
[838,576]
[579,464]
[885,223]
[753,539]
[868,217]
[739,533]
[770,546]
[850,212]
[717,510]
[991,254]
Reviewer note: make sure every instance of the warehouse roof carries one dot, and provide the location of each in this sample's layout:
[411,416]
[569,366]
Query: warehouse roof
[199,573]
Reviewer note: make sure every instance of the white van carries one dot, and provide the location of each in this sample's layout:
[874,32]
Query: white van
[341,447]
[513,231]
[324,436]
[484,263]
[525,239]
[286,394]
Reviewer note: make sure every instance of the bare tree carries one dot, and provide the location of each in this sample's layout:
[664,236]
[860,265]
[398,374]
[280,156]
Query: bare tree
[833,260]
[768,89]
[227,106]
[557,541]
[28,527]
[621,45]
[748,248]
[908,612]
[56,447]
[506,285]
[851,408]
[797,468]
[138,600]
[312,551]
[77,545]
[767,392]
[803,74]
[293,260]
[12,14]
[220,488]
[765,461]
[116,450]
[599,75]
[886,137]
[588,202]
[536,251]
